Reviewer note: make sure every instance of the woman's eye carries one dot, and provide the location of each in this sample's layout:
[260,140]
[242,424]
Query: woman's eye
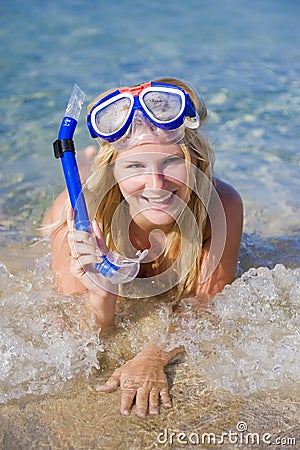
[173,159]
[135,166]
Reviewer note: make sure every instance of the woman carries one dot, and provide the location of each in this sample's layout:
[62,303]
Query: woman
[151,187]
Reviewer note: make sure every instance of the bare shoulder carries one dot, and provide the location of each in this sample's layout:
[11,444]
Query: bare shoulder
[54,213]
[233,208]
[224,272]
[230,198]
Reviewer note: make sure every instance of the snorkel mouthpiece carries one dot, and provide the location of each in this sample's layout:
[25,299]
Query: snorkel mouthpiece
[115,267]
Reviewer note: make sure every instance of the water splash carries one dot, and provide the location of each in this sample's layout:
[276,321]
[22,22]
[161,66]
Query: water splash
[44,340]
[250,340]
[246,342]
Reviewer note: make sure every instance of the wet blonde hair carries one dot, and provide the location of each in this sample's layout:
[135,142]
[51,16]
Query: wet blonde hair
[101,184]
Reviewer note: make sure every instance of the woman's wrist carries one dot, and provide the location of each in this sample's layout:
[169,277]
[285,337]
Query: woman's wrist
[103,306]
[164,355]
[170,354]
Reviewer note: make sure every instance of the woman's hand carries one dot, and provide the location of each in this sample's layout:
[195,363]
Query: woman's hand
[142,378]
[86,250]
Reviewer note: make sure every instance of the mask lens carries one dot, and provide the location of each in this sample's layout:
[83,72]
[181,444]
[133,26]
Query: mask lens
[112,117]
[163,106]
[142,131]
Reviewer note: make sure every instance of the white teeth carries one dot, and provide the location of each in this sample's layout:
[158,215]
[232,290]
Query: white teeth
[159,199]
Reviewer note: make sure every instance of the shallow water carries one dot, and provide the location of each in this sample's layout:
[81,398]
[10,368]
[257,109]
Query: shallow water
[241,367]
[241,363]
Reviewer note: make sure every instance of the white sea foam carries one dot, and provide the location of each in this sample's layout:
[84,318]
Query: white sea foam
[250,340]
[43,339]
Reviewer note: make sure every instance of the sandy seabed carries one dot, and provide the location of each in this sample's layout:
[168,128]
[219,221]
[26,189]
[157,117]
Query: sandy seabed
[80,418]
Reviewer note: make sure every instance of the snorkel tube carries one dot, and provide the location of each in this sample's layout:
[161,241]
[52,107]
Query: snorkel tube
[65,150]
[117,268]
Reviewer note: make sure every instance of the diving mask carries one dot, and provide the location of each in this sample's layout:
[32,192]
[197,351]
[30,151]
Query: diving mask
[157,110]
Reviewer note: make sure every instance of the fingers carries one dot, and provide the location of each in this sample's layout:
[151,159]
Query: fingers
[80,248]
[142,398]
[112,383]
[70,219]
[127,399]
[99,237]
[83,242]
[147,400]
[153,401]
[83,249]
[165,398]
[128,392]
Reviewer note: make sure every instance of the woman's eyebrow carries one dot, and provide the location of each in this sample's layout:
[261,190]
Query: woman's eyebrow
[132,161]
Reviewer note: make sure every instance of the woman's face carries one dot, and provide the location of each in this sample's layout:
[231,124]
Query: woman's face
[153,180]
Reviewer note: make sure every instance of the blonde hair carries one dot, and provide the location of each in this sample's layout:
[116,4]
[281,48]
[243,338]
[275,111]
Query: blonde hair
[102,185]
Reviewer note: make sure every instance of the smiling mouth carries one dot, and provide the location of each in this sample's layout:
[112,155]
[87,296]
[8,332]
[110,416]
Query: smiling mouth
[160,200]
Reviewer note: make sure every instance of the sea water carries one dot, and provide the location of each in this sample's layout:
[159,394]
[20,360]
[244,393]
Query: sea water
[244,59]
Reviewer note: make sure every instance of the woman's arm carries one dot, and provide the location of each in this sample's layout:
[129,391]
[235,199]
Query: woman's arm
[64,281]
[224,271]
[70,265]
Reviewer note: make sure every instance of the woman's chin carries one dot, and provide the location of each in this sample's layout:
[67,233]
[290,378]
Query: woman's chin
[155,217]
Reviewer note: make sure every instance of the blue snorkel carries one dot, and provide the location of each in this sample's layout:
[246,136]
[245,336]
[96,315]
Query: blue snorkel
[114,266]
[65,150]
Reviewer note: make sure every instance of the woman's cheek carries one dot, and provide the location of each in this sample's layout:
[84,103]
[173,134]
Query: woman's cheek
[177,174]
[131,186]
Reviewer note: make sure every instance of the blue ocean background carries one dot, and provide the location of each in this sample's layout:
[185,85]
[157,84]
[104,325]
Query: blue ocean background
[243,57]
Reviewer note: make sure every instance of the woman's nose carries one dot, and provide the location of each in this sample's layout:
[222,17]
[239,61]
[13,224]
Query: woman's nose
[155,180]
